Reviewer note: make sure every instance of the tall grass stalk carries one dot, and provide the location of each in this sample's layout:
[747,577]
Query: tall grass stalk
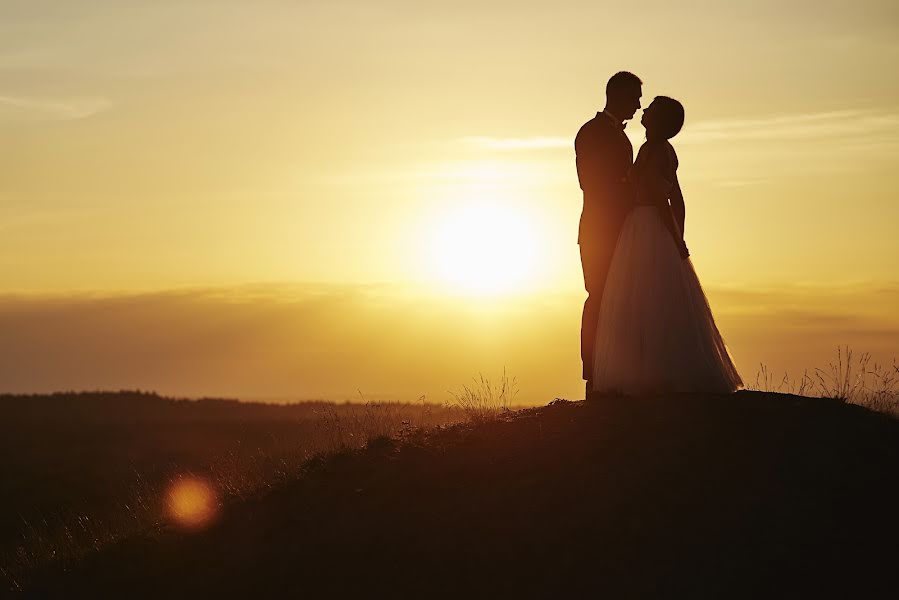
[484,401]
[850,378]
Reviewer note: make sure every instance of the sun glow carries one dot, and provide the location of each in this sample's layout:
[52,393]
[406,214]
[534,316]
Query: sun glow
[484,249]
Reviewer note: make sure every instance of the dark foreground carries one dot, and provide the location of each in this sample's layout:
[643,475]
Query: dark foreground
[749,496]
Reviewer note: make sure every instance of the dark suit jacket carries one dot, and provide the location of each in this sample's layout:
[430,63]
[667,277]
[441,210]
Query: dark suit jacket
[604,155]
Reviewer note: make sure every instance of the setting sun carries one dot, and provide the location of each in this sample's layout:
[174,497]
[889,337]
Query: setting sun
[484,249]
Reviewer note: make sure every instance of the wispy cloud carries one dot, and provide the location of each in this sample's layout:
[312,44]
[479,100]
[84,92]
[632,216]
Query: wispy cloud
[311,341]
[523,143]
[77,107]
[840,124]
[811,126]
[30,219]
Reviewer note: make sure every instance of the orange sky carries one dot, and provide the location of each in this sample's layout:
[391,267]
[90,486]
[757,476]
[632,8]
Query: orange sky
[162,159]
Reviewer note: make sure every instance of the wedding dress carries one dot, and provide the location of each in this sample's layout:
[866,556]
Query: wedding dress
[656,332]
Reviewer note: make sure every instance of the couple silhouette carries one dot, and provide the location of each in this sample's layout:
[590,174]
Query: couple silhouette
[647,326]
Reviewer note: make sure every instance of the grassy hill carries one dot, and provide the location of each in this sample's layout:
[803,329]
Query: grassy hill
[80,470]
[744,496]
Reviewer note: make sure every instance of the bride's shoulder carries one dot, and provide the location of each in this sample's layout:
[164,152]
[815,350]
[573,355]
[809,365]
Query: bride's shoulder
[656,157]
[655,152]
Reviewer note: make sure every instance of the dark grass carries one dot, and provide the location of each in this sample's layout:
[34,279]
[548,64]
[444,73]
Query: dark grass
[754,495]
[82,470]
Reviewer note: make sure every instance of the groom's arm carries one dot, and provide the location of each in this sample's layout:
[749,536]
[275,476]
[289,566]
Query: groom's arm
[592,159]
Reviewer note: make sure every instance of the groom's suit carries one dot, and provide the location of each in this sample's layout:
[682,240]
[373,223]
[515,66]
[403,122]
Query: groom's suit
[604,155]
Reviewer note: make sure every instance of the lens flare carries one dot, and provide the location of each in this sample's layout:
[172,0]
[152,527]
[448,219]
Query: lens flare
[192,502]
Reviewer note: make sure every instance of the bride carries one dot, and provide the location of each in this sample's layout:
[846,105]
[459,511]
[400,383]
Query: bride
[656,332]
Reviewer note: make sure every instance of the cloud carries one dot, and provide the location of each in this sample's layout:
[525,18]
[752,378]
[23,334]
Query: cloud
[841,124]
[306,342]
[76,107]
[811,126]
[513,144]
[270,341]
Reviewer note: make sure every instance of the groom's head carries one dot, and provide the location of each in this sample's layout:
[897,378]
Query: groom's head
[623,92]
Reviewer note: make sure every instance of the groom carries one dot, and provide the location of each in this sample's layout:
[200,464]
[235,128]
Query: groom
[604,155]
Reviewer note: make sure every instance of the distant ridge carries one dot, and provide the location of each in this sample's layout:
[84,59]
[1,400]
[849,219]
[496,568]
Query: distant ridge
[754,495]
[133,403]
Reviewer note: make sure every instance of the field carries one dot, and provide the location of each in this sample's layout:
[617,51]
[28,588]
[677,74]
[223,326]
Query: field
[113,492]
[751,495]
[83,470]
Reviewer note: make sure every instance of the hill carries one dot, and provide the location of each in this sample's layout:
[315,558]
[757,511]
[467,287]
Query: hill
[82,469]
[744,496]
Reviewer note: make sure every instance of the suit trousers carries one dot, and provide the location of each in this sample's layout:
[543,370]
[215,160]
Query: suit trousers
[595,261]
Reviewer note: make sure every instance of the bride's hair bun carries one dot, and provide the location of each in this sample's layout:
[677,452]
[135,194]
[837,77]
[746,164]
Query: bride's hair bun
[670,116]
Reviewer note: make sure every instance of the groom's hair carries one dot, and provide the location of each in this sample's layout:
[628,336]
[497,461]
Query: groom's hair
[670,116]
[622,81]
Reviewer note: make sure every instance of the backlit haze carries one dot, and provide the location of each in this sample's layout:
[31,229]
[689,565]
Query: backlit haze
[293,200]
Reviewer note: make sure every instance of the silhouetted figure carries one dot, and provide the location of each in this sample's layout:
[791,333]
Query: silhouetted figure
[604,155]
[655,332]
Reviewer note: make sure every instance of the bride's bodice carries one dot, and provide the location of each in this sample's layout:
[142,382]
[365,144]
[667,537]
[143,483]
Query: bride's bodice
[653,173]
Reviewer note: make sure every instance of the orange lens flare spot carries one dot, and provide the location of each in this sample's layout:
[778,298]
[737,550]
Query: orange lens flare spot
[191,502]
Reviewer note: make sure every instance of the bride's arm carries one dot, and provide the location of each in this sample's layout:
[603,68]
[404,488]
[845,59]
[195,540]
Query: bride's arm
[677,204]
[668,218]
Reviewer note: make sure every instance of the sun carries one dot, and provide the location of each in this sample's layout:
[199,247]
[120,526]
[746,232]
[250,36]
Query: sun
[484,248]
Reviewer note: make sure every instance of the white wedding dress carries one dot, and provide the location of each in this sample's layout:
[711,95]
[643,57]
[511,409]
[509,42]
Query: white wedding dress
[656,333]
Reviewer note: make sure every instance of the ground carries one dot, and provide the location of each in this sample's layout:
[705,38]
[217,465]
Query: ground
[752,495]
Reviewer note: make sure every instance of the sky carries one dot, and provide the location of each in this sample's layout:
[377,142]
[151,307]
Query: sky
[278,199]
